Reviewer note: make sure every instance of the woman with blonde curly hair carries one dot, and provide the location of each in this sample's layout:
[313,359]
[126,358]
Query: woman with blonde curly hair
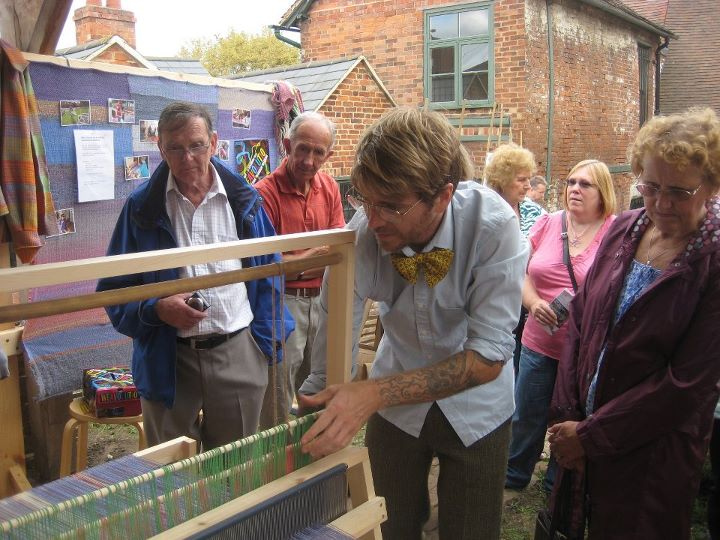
[637,383]
[509,173]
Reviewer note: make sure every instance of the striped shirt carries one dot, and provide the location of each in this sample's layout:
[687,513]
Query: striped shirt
[209,223]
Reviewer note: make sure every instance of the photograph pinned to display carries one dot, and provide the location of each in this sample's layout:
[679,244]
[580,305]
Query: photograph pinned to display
[241,118]
[252,157]
[149,131]
[223,150]
[137,167]
[121,111]
[74,112]
[65,221]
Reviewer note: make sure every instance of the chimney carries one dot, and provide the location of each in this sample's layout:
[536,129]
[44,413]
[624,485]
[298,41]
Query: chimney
[93,21]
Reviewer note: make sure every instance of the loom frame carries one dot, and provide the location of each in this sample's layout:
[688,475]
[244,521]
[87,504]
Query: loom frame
[340,264]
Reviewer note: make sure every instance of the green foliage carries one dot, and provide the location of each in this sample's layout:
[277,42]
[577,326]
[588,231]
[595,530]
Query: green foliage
[239,52]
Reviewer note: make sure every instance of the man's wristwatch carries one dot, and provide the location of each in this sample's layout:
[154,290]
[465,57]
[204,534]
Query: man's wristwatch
[300,276]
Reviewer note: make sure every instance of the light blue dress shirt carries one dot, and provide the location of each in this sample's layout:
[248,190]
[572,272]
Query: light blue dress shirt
[475,307]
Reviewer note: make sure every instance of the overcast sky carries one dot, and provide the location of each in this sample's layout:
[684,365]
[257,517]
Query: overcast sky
[163,26]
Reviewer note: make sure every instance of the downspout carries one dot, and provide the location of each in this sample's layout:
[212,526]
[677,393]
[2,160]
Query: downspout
[551,91]
[657,75]
[276,32]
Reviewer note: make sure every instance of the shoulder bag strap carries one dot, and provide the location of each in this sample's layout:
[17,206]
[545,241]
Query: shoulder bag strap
[566,252]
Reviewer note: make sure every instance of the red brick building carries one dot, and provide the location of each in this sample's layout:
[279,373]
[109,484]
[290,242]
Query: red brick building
[570,79]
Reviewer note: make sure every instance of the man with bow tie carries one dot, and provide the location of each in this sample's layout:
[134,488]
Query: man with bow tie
[445,260]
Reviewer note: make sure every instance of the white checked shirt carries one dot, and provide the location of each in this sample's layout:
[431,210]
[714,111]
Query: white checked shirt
[209,223]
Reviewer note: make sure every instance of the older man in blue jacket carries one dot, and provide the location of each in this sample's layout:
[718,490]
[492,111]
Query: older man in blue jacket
[207,351]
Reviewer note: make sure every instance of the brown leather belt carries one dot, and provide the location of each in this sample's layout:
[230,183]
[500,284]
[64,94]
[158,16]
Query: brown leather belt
[207,342]
[303,292]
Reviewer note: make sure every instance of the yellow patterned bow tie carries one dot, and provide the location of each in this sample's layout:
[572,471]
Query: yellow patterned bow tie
[435,263]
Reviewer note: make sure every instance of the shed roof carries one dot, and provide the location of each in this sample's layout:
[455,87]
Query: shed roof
[315,80]
[92,49]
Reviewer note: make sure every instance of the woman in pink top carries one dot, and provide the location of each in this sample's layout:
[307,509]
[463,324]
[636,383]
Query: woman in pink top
[589,210]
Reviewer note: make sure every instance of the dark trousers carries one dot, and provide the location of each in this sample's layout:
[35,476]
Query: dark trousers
[470,483]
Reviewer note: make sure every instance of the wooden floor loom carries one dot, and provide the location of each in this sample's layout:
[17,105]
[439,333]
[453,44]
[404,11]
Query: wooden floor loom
[253,488]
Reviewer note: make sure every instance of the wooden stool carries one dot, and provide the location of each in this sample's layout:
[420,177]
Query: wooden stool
[80,416]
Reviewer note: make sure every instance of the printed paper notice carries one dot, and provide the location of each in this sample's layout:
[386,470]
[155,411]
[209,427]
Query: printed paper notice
[95,165]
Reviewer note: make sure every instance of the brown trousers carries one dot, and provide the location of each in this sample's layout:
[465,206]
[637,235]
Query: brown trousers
[470,484]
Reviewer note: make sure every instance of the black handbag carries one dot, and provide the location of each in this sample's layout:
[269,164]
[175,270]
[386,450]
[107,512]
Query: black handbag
[566,253]
[548,524]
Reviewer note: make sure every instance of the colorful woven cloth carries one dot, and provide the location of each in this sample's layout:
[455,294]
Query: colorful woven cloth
[25,198]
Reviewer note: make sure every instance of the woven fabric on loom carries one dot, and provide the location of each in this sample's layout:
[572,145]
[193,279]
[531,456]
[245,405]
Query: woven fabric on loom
[79,484]
[140,503]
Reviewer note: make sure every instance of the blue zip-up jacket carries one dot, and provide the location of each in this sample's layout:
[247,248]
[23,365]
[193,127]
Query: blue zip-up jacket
[144,225]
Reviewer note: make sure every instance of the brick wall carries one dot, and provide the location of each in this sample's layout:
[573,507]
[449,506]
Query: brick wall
[95,22]
[117,55]
[596,71]
[356,103]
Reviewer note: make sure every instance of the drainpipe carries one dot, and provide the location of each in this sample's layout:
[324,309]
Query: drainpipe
[551,90]
[277,29]
[657,74]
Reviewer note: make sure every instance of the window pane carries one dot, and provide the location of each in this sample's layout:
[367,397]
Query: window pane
[474,23]
[443,88]
[474,57]
[444,26]
[442,60]
[475,86]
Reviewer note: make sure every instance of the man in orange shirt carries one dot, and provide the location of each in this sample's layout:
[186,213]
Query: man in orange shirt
[300,198]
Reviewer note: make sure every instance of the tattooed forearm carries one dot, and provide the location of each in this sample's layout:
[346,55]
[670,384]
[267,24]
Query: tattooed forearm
[455,374]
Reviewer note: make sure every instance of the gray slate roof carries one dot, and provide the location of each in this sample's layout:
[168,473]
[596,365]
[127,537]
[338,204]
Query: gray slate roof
[176,65]
[315,80]
[80,52]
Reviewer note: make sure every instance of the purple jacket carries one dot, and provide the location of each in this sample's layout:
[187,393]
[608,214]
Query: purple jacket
[657,388]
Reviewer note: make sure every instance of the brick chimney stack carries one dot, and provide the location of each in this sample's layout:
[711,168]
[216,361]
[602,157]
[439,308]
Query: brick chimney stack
[93,21]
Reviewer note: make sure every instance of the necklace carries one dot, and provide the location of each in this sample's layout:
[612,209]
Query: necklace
[577,238]
[651,258]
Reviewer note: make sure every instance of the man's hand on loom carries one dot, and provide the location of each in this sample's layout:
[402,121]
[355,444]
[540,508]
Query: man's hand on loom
[347,408]
[174,311]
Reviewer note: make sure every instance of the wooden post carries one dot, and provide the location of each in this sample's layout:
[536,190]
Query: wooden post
[12,446]
[490,131]
[500,126]
[341,288]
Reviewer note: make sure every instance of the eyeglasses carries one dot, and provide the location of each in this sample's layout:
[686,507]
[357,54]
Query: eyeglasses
[673,193]
[194,150]
[582,184]
[386,214]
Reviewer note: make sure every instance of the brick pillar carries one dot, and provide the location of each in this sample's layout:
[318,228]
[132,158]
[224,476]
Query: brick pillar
[93,21]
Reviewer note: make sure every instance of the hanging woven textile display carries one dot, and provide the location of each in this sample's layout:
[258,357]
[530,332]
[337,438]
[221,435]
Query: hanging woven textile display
[26,203]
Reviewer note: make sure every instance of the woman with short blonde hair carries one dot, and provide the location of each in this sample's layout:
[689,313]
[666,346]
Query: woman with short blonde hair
[509,172]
